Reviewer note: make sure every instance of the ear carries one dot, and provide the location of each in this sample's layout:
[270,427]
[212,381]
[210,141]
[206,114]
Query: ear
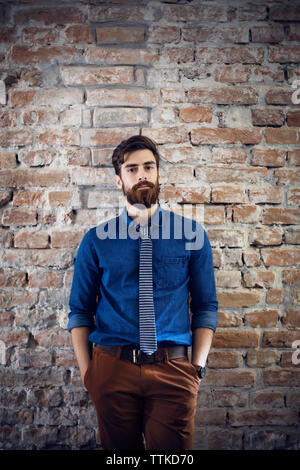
[118,181]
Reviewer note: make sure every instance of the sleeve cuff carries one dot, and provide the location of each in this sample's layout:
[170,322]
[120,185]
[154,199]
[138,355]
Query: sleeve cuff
[205,319]
[79,319]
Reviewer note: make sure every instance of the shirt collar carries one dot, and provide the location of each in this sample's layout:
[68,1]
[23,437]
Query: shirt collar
[156,218]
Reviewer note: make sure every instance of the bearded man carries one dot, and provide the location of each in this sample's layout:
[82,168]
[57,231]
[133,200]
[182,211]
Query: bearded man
[131,298]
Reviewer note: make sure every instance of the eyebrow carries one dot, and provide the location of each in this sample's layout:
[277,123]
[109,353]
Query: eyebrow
[130,165]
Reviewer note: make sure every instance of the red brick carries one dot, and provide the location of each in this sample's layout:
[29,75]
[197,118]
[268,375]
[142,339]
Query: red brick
[79,33]
[280,215]
[293,118]
[270,34]
[118,13]
[262,319]
[185,195]
[284,54]
[97,75]
[155,34]
[34,358]
[230,398]
[259,278]
[282,377]
[279,95]
[165,135]
[28,198]
[210,416]
[291,318]
[279,338]
[228,338]
[191,13]
[15,337]
[204,33]
[267,117]
[91,176]
[195,114]
[228,319]
[261,357]
[122,97]
[49,15]
[36,35]
[228,237]
[8,160]
[232,74]
[224,359]
[42,97]
[33,178]
[14,138]
[65,358]
[230,378]
[280,256]
[268,157]
[47,54]
[127,34]
[274,296]
[39,116]
[5,197]
[251,257]
[265,236]
[291,276]
[8,118]
[246,214]
[265,193]
[66,238]
[223,95]
[60,137]
[269,399]
[238,298]
[282,136]
[231,175]
[206,135]
[11,298]
[228,155]
[31,240]
[117,55]
[59,258]
[19,217]
[39,278]
[249,12]
[292,236]
[214,215]
[256,417]
[294,32]
[293,197]
[53,338]
[11,278]
[35,157]
[283,12]
[227,278]
[229,55]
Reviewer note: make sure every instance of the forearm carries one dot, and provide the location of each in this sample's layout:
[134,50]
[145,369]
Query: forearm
[80,343]
[201,343]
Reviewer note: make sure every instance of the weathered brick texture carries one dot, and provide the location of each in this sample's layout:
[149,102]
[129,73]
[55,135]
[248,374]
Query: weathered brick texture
[216,84]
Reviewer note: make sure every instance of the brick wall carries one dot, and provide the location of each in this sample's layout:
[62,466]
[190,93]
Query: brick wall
[212,83]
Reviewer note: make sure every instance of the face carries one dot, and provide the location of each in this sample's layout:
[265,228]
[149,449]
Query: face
[139,178]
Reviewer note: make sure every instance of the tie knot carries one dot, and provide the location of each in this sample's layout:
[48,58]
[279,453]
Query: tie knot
[144,230]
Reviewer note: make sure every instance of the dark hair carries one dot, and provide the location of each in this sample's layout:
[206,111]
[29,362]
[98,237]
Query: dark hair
[135,142]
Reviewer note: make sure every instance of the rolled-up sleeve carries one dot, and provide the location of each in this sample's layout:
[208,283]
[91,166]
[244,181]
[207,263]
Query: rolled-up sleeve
[203,304]
[85,285]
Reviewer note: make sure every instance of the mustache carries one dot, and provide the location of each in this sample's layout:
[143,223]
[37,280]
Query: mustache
[142,183]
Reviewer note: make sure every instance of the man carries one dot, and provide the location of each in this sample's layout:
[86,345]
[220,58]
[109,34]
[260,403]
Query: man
[135,281]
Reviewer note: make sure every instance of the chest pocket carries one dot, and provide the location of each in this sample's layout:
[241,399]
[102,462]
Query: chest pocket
[172,271]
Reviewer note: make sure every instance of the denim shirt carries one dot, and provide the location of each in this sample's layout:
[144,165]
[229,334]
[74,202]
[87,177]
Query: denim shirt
[104,293]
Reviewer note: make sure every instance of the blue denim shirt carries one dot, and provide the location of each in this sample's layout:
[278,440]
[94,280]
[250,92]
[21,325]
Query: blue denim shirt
[104,293]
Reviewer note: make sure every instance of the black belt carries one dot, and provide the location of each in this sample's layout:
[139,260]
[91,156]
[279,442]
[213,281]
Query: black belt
[137,356]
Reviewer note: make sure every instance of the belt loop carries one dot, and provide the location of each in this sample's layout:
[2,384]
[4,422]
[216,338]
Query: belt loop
[166,356]
[119,350]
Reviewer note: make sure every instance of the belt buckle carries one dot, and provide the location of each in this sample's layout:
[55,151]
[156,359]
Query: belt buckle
[136,355]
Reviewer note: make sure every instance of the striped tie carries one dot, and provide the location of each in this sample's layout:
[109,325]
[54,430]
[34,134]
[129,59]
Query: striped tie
[148,342]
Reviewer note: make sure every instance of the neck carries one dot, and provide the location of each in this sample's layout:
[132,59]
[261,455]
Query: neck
[141,216]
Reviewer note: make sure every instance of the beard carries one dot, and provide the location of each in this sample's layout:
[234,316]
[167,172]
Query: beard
[147,197]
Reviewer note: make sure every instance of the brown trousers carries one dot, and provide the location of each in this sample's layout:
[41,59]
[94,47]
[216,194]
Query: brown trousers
[149,406]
